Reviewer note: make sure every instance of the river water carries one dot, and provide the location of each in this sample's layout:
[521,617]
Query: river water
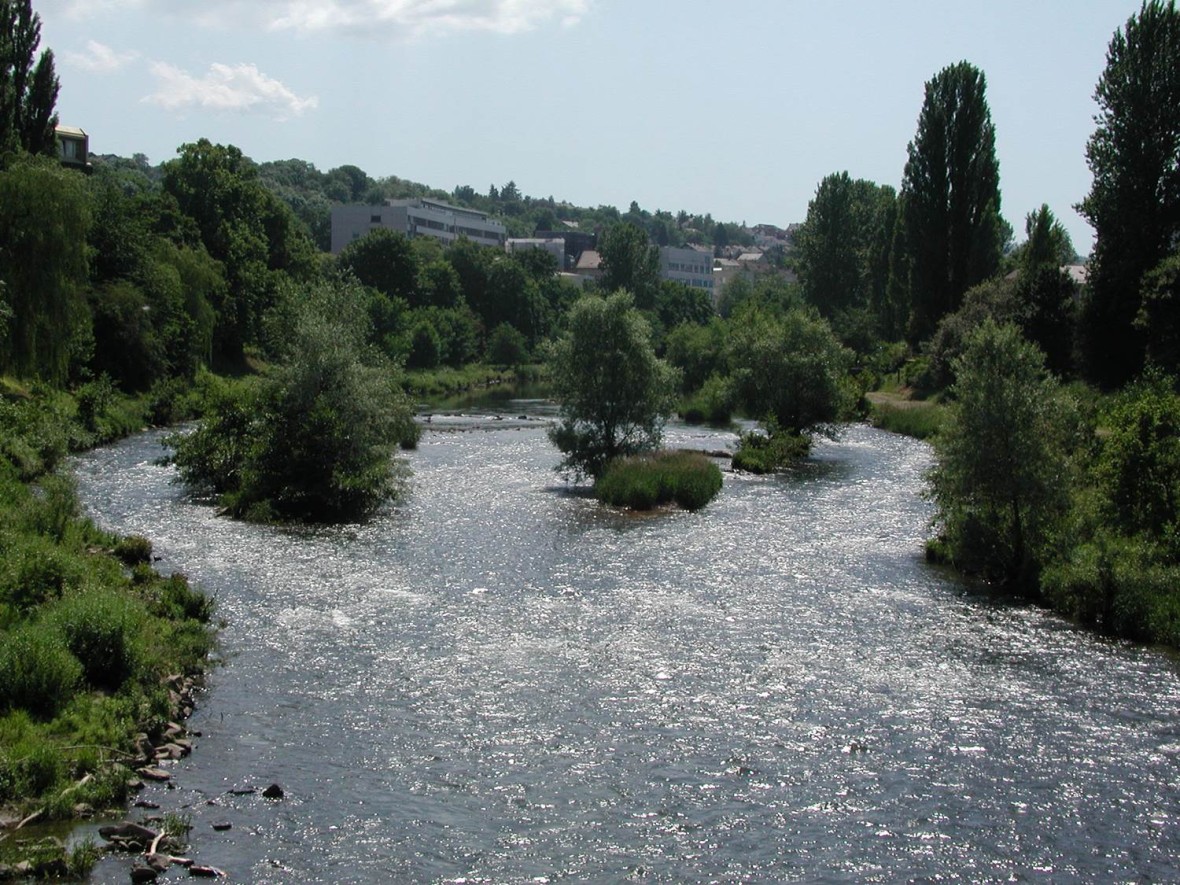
[498,680]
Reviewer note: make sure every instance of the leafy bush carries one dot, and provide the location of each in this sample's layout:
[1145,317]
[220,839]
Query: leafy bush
[762,453]
[38,673]
[133,550]
[102,628]
[507,346]
[712,404]
[644,481]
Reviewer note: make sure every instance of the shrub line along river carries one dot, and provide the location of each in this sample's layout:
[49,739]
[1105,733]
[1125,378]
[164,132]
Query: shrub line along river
[498,680]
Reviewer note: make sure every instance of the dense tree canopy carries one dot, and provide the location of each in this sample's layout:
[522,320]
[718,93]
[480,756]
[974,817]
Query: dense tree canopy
[243,225]
[950,197]
[314,440]
[789,370]
[1134,201]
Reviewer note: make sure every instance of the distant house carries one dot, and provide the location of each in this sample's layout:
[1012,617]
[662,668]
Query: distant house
[73,148]
[589,265]
[416,217]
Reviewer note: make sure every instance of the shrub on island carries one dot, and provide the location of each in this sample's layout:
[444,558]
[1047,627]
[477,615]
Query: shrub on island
[642,482]
[759,453]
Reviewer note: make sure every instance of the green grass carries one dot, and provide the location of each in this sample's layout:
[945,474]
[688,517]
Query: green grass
[88,631]
[641,482]
[445,380]
[920,419]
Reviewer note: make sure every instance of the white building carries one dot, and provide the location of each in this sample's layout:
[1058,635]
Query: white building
[689,266]
[416,217]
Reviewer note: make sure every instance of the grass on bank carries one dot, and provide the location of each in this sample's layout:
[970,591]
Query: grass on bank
[446,380]
[89,632]
[921,419]
[641,482]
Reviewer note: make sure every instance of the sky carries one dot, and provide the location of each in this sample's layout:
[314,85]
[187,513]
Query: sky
[738,108]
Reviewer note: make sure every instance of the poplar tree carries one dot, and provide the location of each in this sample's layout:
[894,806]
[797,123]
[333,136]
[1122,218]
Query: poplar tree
[28,83]
[951,197]
[1134,201]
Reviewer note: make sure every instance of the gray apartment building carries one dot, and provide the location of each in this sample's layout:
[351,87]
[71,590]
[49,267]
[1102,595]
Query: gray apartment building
[416,217]
[689,266]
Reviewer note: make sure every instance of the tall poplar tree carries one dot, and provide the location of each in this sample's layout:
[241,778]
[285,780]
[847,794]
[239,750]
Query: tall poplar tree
[1134,202]
[951,197]
[28,83]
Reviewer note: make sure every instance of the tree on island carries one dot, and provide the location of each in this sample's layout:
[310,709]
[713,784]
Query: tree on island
[1134,201]
[615,394]
[950,196]
[314,439]
[790,371]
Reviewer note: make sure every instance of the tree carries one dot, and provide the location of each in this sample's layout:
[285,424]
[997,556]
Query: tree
[789,370]
[28,89]
[1045,292]
[630,262]
[244,226]
[615,394]
[315,439]
[1134,201]
[383,259]
[951,197]
[1001,479]
[44,218]
[843,247]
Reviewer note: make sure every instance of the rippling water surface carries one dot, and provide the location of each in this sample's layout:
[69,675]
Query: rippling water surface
[500,681]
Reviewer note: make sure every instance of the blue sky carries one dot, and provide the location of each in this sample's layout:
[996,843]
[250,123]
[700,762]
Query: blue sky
[738,108]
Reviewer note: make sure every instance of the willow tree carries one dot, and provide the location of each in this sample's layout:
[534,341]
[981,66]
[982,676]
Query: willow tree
[1134,201]
[44,219]
[951,197]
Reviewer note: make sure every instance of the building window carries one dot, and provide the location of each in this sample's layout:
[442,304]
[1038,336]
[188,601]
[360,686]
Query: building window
[374,219]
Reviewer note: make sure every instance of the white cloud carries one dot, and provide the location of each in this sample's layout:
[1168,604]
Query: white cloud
[99,58]
[84,9]
[422,17]
[409,18]
[226,88]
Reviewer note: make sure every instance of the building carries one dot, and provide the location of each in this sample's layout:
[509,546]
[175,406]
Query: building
[555,246]
[73,148]
[576,242]
[416,217]
[589,265]
[692,267]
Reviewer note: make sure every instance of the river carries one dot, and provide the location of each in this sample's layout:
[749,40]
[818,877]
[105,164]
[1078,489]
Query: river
[498,680]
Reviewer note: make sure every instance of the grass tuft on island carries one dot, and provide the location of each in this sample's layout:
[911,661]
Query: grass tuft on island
[641,482]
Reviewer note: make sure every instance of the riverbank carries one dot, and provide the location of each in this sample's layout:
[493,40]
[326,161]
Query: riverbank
[100,655]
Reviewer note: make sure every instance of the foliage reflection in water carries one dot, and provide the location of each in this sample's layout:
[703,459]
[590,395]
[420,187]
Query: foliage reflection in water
[500,681]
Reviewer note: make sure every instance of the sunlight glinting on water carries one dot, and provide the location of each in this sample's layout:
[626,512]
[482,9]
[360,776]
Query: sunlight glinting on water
[498,680]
